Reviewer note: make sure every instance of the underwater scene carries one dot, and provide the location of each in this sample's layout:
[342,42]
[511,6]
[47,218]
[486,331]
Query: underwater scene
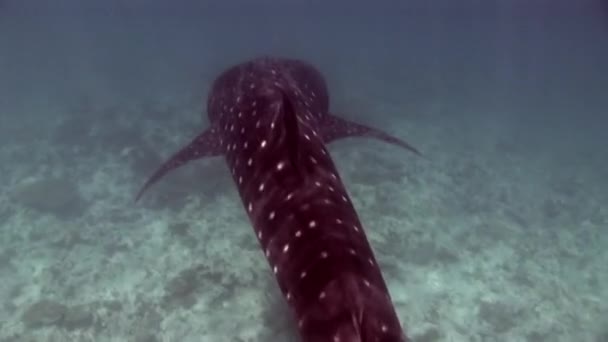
[303,171]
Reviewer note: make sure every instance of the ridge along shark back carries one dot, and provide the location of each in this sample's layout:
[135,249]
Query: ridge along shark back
[270,118]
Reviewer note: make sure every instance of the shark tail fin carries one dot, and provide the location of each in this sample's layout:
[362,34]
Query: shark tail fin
[206,144]
[358,312]
[334,128]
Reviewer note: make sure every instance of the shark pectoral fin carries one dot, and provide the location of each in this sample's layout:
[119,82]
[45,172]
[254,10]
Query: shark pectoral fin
[206,144]
[334,128]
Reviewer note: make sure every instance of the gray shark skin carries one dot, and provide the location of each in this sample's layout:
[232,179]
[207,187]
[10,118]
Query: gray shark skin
[269,117]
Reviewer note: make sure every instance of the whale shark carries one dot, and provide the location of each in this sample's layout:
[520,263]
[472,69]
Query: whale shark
[269,117]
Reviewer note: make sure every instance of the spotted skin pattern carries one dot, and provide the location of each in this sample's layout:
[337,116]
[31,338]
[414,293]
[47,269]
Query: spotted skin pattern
[270,119]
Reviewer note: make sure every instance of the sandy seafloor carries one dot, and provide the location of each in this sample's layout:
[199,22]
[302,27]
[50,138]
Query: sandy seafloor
[498,234]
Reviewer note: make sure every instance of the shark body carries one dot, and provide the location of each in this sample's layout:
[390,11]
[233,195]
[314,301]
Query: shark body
[269,117]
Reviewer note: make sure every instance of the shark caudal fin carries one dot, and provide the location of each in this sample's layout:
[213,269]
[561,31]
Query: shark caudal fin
[352,310]
[334,128]
[206,144]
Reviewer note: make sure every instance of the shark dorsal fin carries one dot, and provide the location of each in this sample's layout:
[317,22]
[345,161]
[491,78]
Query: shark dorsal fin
[289,119]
